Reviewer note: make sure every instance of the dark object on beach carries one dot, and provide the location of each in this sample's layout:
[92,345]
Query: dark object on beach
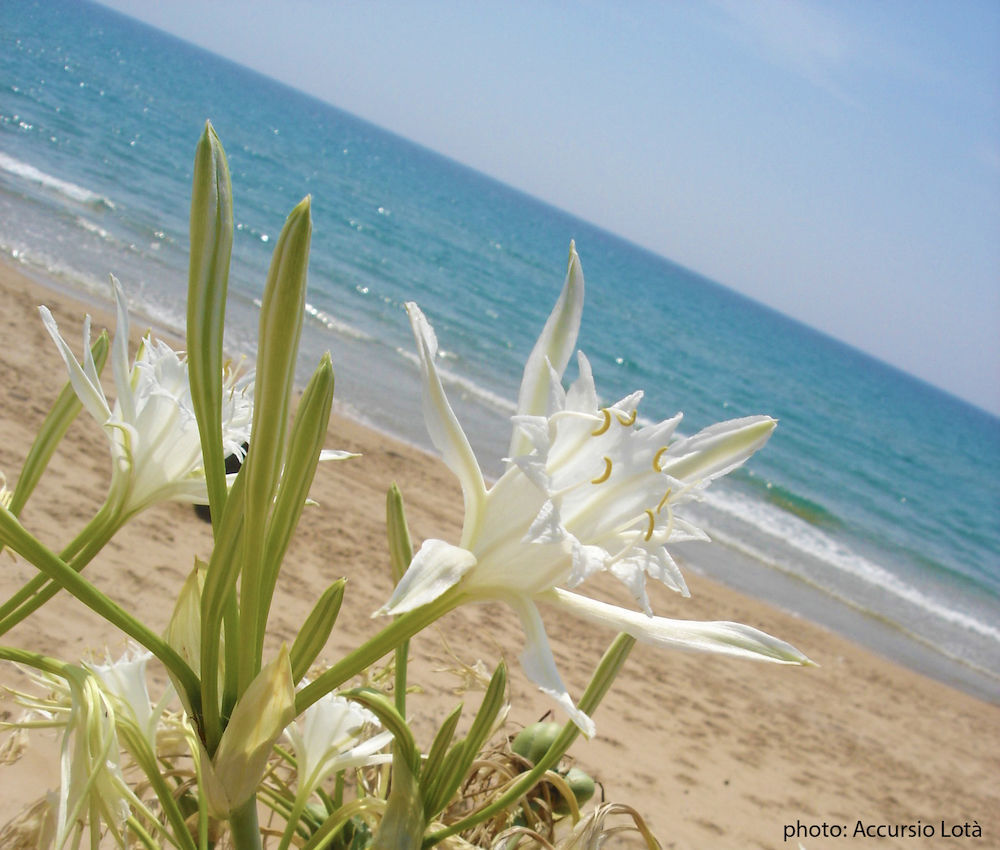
[233,465]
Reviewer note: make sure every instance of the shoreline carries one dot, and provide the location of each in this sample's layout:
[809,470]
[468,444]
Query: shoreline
[747,747]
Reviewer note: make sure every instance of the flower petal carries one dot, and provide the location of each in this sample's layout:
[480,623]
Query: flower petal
[435,568]
[87,390]
[721,638]
[717,449]
[119,354]
[540,666]
[445,431]
[553,349]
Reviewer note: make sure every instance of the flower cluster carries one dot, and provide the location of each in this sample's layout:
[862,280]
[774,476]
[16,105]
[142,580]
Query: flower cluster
[152,430]
[585,490]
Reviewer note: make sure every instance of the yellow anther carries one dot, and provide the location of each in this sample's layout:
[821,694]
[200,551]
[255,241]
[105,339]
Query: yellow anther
[652,522]
[663,501]
[656,458]
[604,425]
[604,476]
[628,421]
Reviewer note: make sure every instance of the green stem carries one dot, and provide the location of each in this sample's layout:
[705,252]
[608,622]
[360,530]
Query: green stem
[399,683]
[34,659]
[80,551]
[13,534]
[335,822]
[392,636]
[601,681]
[243,826]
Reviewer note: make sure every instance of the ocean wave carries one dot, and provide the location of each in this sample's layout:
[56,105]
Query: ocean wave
[794,503]
[797,534]
[814,543]
[69,190]
[323,318]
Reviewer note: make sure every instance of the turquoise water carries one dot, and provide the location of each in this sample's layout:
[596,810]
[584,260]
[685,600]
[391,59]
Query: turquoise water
[875,508]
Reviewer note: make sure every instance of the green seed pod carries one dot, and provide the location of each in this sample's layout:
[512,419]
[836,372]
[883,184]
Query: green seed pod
[581,785]
[533,741]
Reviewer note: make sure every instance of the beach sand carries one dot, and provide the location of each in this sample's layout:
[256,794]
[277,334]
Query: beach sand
[714,753]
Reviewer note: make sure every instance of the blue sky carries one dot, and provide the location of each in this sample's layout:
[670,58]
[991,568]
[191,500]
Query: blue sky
[839,161]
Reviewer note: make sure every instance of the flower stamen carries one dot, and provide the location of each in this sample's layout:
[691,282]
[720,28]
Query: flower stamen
[656,458]
[604,425]
[628,421]
[652,523]
[604,476]
[663,501]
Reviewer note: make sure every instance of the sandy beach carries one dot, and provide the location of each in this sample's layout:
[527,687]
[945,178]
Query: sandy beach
[714,753]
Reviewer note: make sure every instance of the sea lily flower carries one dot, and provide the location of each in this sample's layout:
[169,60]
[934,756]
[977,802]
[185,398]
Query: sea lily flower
[152,430]
[124,679]
[329,737]
[585,490]
[93,795]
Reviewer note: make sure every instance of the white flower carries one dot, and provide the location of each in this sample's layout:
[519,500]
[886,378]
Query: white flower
[585,490]
[125,681]
[152,431]
[327,739]
[93,794]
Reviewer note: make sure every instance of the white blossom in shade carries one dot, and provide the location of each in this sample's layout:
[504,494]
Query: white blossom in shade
[94,706]
[151,429]
[585,490]
[125,680]
[330,736]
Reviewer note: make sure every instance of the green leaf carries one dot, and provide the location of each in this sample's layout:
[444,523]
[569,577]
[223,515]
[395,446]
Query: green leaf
[392,720]
[217,597]
[608,668]
[493,701]
[400,555]
[400,546]
[439,748]
[449,777]
[208,277]
[458,761]
[304,446]
[313,635]
[282,310]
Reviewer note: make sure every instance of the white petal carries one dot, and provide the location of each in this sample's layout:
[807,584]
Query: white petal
[721,638]
[546,527]
[336,454]
[435,568]
[587,560]
[582,394]
[89,392]
[119,354]
[535,429]
[442,425]
[717,449]
[540,666]
[554,346]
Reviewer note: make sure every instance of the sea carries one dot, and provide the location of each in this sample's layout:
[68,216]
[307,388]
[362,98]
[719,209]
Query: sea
[875,507]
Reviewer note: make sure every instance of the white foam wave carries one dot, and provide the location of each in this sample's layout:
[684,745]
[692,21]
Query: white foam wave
[327,321]
[335,325]
[504,405]
[70,190]
[799,535]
